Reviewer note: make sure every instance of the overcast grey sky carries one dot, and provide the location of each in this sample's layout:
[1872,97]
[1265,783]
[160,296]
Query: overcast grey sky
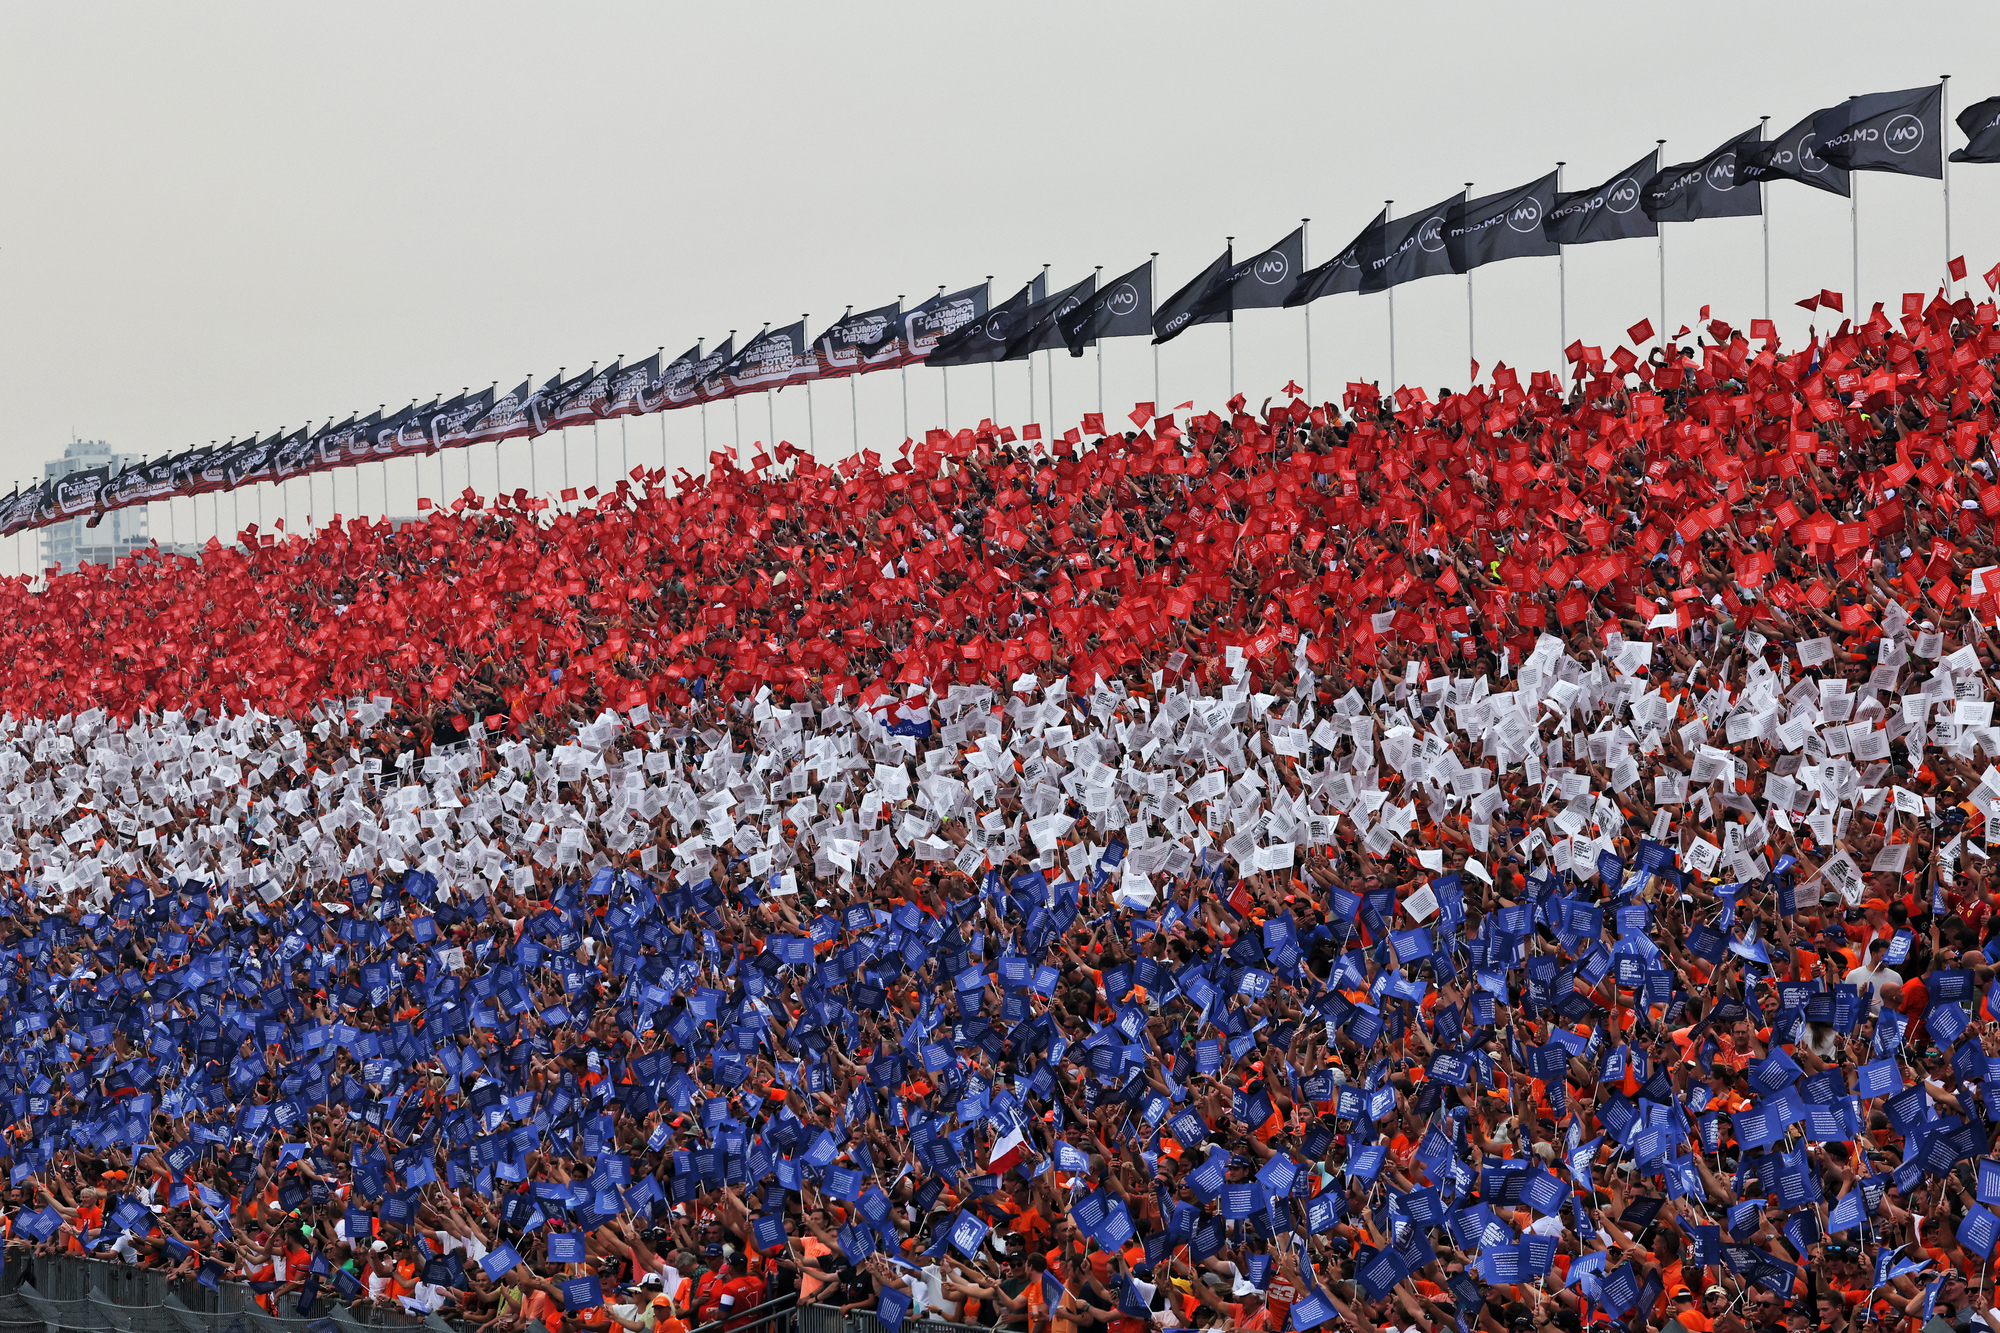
[219,219]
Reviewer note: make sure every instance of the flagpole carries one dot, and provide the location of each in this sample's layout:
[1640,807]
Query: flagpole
[698,355]
[1230,241]
[812,436]
[663,431]
[1153,285]
[1944,155]
[993,367]
[1050,442]
[1764,207]
[771,417]
[1386,205]
[946,372]
[1659,156]
[1098,287]
[1306,310]
[1854,229]
[1562,280]
[906,389]
[1471,347]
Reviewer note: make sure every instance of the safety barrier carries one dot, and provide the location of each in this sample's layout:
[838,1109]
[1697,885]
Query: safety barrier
[770,1317]
[829,1319]
[95,1296]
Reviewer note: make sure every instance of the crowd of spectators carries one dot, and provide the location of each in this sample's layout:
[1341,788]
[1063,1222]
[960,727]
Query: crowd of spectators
[1508,861]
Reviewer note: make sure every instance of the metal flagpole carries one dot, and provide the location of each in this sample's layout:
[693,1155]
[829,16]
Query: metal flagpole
[906,388]
[993,367]
[1471,350]
[1764,207]
[1031,366]
[812,435]
[596,455]
[1099,271]
[1230,241]
[1659,156]
[1562,280]
[944,371]
[1854,229]
[1153,283]
[1306,310]
[1386,204]
[1944,119]
[771,417]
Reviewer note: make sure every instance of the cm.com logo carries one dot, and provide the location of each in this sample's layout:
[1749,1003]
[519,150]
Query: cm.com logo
[1623,196]
[1527,216]
[1271,268]
[1123,300]
[1722,173]
[1904,134]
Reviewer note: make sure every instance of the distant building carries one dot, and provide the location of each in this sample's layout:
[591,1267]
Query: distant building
[120,532]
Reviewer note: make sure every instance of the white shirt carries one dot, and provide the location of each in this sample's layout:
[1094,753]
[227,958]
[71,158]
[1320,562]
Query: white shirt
[1877,977]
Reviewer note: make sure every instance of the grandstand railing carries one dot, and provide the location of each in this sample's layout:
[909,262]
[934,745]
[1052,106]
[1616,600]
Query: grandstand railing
[770,1317]
[96,1296]
[829,1319]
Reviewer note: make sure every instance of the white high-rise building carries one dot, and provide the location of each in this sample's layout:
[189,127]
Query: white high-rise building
[73,543]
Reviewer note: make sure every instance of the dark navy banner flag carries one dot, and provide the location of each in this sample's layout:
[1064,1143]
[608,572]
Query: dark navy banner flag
[1124,309]
[508,416]
[1037,329]
[1981,124]
[708,371]
[1342,273]
[1194,303]
[1900,132]
[861,342]
[1265,279]
[1608,212]
[1794,156]
[771,360]
[1706,187]
[1507,225]
[984,339]
[675,385]
[1412,247]
[925,327]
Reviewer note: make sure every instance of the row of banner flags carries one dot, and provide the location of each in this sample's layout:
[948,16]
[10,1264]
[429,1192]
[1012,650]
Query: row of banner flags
[1899,132]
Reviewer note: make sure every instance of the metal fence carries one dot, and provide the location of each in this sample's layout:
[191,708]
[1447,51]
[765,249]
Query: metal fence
[829,1319]
[771,1317]
[94,1296]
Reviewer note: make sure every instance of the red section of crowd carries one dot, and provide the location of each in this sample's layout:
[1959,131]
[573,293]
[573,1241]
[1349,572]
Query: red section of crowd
[1730,480]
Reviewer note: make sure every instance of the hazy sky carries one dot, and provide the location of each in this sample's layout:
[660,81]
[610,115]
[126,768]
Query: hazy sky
[219,219]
